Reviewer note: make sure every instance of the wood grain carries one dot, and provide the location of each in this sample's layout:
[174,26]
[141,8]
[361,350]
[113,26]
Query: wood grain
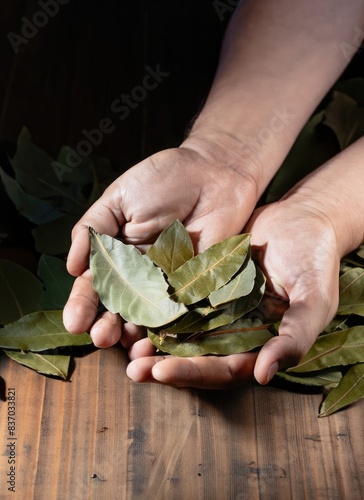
[102,436]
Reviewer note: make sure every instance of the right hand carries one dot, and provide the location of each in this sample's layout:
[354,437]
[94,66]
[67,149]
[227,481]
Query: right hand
[205,184]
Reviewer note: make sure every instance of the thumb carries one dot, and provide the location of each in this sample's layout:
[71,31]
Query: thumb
[299,328]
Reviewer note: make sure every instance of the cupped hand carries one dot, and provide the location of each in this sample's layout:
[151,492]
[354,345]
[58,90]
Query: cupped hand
[295,245]
[210,188]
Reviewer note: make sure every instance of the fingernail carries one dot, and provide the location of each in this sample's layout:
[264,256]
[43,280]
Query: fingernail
[272,371]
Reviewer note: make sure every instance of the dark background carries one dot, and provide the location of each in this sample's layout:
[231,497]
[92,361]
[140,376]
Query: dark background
[66,77]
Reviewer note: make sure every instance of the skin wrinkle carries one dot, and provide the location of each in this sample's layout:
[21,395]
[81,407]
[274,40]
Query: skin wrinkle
[250,74]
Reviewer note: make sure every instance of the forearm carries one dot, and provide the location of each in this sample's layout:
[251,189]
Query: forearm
[278,60]
[335,191]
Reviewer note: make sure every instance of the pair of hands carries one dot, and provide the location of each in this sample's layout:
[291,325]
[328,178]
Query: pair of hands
[214,192]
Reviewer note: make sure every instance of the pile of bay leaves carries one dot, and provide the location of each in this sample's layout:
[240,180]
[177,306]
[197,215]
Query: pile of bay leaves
[191,304]
[209,304]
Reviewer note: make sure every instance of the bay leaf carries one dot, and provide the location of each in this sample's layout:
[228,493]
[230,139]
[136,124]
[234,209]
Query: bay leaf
[34,209]
[44,235]
[192,321]
[40,331]
[56,365]
[323,378]
[57,281]
[345,118]
[334,349]
[130,284]
[353,87]
[238,308]
[338,323]
[360,251]
[172,248]
[20,292]
[35,172]
[351,293]
[208,271]
[349,390]
[241,336]
[313,147]
[240,286]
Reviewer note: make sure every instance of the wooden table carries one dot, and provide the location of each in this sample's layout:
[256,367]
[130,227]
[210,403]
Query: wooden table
[102,436]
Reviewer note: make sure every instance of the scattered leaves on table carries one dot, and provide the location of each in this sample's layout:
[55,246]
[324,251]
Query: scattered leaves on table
[20,292]
[56,365]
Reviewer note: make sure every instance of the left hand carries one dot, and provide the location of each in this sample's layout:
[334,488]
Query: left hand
[295,245]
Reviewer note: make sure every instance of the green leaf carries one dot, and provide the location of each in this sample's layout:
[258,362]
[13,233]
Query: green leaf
[44,235]
[349,390]
[57,281]
[20,292]
[49,364]
[360,251]
[312,148]
[172,248]
[345,118]
[336,324]
[240,286]
[238,308]
[334,349]
[353,87]
[351,296]
[34,209]
[241,336]
[193,321]
[35,171]
[130,284]
[76,176]
[208,271]
[323,378]
[40,331]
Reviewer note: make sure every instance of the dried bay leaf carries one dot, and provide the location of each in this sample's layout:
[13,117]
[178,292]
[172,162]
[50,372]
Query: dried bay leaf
[208,271]
[56,365]
[351,294]
[240,286]
[238,337]
[313,147]
[360,251]
[44,235]
[334,349]
[20,292]
[323,378]
[192,321]
[130,284]
[238,308]
[172,248]
[57,281]
[349,390]
[345,119]
[36,210]
[40,331]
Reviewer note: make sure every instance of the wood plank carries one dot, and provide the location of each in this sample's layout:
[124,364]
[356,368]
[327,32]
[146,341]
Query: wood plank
[102,436]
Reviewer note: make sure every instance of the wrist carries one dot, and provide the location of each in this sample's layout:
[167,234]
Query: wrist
[334,193]
[248,155]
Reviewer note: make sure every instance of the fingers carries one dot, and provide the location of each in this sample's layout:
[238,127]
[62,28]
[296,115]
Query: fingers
[299,328]
[208,372]
[105,217]
[107,330]
[81,309]
[132,334]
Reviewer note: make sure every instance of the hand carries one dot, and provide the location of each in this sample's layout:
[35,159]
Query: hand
[295,245]
[209,187]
